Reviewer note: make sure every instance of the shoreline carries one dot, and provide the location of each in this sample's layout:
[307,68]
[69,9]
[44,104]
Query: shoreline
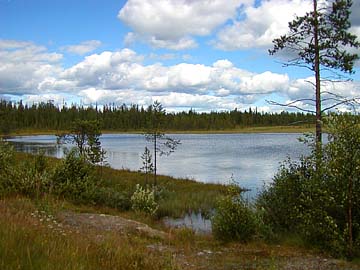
[245,130]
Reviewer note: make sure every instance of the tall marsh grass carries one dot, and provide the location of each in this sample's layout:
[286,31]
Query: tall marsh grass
[176,198]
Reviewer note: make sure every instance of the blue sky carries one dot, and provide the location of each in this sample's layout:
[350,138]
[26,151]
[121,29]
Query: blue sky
[200,54]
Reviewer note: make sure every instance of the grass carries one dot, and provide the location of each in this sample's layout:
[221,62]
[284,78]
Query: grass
[260,129]
[178,196]
[26,243]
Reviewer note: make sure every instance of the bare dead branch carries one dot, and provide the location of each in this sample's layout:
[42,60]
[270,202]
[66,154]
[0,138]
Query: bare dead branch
[291,105]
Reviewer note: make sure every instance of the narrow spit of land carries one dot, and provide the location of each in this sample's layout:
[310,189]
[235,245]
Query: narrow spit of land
[264,129]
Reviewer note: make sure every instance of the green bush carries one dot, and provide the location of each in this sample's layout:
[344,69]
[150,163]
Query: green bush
[7,168]
[143,200]
[233,218]
[110,197]
[29,178]
[74,178]
[281,200]
[319,197]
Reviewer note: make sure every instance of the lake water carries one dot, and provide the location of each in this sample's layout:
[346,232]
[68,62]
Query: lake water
[250,159]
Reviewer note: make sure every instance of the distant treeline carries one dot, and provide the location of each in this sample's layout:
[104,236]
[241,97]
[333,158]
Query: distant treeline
[16,115]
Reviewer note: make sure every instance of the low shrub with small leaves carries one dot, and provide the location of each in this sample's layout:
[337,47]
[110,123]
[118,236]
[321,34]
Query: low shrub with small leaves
[74,178]
[233,219]
[7,167]
[109,197]
[143,200]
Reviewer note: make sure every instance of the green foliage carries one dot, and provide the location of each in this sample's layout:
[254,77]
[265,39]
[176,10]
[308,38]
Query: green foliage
[6,167]
[233,219]
[109,197]
[319,197]
[148,166]
[332,25]
[162,144]
[46,116]
[74,178]
[322,42]
[143,200]
[85,134]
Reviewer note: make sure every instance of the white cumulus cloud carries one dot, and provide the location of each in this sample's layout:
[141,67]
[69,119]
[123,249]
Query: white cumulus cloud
[125,70]
[83,48]
[25,65]
[164,23]
[259,25]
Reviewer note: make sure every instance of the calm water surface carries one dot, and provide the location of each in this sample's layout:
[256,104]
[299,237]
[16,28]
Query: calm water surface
[251,159]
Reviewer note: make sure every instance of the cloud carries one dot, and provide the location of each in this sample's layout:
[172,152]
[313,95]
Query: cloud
[31,71]
[124,70]
[83,48]
[165,23]
[56,98]
[102,69]
[302,91]
[240,24]
[355,14]
[266,82]
[177,44]
[25,65]
[199,102]
[258,26]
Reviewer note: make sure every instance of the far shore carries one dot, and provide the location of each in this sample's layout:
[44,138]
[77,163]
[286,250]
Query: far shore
[240,130]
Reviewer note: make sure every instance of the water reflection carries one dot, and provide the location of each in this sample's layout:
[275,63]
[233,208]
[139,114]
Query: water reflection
[196,222]
[47,149]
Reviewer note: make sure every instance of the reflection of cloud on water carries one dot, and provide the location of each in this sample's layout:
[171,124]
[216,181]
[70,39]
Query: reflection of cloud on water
[36,148]
[124,160]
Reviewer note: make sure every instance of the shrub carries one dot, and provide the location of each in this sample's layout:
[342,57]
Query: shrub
[7,167]
[143,200]
[74,178]
[233,218]
[109,197]
[319,198]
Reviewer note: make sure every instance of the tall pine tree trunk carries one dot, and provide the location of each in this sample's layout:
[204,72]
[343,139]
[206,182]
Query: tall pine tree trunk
[317,77]
[350,225]
[155,154]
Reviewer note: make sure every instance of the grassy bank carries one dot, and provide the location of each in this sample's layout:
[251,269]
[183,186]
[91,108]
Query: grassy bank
[178,196]
[263,129]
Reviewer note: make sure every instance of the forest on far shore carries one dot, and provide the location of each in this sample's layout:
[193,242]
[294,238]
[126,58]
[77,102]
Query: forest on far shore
[16,116]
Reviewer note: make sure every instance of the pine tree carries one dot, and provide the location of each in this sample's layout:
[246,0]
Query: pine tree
[320,39]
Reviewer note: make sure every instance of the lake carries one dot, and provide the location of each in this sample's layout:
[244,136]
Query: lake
[250,159]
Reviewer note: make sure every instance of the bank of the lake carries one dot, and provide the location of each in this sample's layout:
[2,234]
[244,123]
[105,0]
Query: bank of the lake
[250,159]
[257,129]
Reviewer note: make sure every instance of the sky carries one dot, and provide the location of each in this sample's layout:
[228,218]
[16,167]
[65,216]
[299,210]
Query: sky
[205,55]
